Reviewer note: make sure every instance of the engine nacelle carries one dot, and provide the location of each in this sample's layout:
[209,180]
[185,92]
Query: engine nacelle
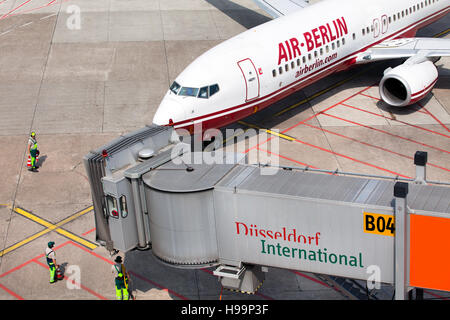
[408,83]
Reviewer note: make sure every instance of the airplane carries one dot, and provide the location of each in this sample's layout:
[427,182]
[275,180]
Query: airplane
[301,45]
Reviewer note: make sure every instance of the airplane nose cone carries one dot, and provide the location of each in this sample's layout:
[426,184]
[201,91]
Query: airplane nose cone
[169,111]
[161,117]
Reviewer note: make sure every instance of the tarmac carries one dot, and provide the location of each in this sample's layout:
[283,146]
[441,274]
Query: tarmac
[80,81]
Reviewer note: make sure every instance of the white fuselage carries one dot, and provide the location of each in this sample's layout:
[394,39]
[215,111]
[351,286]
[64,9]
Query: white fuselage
[267,63]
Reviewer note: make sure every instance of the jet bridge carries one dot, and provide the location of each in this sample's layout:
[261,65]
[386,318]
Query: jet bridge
[230,216]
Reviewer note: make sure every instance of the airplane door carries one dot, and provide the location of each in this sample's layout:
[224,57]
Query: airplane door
[251,79]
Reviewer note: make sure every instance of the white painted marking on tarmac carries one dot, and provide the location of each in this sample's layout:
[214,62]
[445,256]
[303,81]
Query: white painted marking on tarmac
[26,24]
[51,15]
[7,31]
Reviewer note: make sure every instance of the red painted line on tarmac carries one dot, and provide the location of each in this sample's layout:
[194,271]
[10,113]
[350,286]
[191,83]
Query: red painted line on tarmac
[44,6]
[315,280]
[311,117]
[16,268]
[353,159]
[436,295]
[131,272]
[371,97]
[27,263]
[7,14]
[325,110]
[296,161]
[385,132]
[31,260]
[371,145]
[11,292]
[158,285]
[406,123]
[90,252]
[81,286]
[87,232]
[435,118]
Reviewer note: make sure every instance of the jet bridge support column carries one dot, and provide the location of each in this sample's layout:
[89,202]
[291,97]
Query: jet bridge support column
[139,214]
[420,160]
[400,193]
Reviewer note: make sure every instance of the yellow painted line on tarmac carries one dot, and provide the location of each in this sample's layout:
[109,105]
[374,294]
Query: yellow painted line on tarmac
[23,242]
[443,33]
[56,228]
[280,135]
[51,227]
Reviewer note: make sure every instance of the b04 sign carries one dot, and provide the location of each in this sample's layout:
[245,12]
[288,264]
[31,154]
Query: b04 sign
[382,224]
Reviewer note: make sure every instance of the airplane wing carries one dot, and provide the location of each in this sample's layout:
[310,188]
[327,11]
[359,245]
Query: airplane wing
[406,48]
[278,8]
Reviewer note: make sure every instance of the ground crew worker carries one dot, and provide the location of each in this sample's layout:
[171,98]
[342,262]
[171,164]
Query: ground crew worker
[51,260]
[121,279]
[32,150]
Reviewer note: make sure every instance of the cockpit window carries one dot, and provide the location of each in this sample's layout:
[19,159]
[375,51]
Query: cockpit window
[213,89]
[175,87]
[190,92]
[203,93]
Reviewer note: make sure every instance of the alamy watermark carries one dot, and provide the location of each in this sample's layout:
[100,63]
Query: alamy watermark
[227,148]
[374,279]
[73,22]
[73,273]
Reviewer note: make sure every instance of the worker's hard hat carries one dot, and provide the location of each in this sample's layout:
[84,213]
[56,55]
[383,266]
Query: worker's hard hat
[118,259]
[33,134]
[51,244]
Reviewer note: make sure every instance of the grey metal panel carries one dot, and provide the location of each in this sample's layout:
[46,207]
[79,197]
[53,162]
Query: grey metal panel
[173,177]
[382,186]
[238,175]
[421,199]
[122,229]
[182,226]
[437,194]
[335,188]
[136,171]
[429,198]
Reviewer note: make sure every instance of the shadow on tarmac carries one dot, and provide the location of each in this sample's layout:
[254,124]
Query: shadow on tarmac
[242,15]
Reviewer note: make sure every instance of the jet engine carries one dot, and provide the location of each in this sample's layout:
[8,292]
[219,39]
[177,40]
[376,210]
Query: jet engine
[408,83]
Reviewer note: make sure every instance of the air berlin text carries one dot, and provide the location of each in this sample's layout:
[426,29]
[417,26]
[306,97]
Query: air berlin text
[313,39]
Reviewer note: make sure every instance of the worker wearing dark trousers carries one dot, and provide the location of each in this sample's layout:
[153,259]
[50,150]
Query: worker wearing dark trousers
[51,261]
[121,279]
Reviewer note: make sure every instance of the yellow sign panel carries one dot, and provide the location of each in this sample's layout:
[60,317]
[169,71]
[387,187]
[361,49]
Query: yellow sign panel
[376,223]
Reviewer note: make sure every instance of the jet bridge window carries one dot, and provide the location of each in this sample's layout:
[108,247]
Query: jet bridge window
[123,206]
[111,206]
